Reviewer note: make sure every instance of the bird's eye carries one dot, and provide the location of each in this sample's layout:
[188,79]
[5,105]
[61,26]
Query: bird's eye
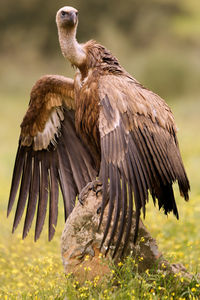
[63,13]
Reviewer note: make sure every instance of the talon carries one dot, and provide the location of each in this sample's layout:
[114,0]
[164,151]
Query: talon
[80,200]
[99,190]
[99,210]
[95,186]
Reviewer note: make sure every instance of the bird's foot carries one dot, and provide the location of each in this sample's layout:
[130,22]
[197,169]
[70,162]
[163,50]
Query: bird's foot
[95,186]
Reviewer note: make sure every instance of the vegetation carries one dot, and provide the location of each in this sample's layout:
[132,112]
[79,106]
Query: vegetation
[158,42]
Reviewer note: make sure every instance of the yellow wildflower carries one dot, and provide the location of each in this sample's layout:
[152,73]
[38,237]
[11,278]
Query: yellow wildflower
[147,272]
[87,269]
[163,266]
[87,257]
[141,258]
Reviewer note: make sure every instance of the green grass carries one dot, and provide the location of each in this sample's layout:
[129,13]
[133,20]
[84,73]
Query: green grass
[31,270]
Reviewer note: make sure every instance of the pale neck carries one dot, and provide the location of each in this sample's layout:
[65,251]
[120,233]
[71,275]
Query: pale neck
[70,48]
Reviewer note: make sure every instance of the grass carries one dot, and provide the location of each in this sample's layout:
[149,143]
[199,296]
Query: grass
[31,270]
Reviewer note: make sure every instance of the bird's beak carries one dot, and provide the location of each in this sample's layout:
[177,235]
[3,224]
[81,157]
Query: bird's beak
[72,19]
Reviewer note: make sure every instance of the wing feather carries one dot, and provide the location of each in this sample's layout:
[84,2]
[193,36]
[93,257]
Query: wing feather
[104,175]
[129,218]
[50,154]
[17,172]
[43,195]
[53,207]
[133,187]
[33,196]
[78,163]
[117,208]
[112,194]
[24,189]
[123,215]
[67,184]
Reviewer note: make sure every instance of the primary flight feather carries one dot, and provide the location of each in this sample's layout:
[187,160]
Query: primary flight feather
[102,124]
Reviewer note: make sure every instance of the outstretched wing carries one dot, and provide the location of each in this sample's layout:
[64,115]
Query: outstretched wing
[50,154]
[139,149]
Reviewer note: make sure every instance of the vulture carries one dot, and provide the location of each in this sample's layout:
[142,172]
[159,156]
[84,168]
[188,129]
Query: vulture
[103,125]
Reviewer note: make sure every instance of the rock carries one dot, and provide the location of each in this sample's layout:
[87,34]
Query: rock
[80,242]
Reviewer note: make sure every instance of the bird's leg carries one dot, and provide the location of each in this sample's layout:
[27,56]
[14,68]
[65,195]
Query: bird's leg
[95,186]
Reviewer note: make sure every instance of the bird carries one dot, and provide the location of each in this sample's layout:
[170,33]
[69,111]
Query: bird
[102,125]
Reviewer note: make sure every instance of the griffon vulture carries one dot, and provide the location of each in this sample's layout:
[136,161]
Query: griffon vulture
[102,124]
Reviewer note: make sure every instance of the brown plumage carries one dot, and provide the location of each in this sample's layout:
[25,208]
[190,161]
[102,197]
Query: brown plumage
[103,123]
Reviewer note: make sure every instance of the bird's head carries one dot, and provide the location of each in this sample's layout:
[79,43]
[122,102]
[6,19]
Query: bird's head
[67,17]
[67,21]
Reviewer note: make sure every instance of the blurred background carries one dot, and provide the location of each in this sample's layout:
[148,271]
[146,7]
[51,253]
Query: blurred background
[157,41]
